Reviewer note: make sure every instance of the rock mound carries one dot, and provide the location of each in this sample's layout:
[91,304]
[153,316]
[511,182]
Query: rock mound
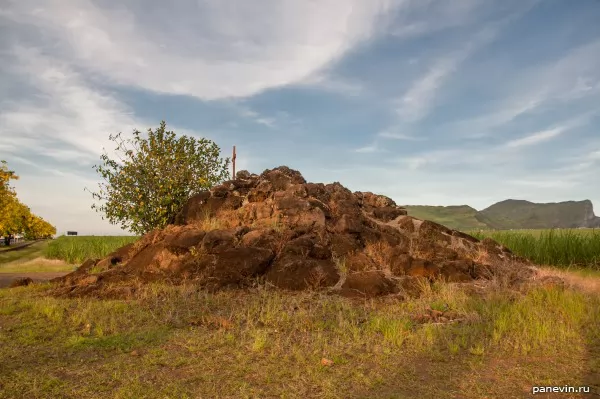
[295,235]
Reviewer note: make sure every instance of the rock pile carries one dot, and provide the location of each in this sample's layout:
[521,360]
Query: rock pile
[294,235]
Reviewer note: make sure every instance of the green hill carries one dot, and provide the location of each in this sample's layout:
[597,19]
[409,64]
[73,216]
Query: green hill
[459,217]
[519,214]
[511,214]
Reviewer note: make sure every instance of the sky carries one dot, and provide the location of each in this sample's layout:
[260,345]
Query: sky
[429,102]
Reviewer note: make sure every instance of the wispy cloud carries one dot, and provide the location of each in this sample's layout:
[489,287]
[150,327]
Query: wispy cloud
[420,97]
[572,77]
[334,84]
[387,134]
[256,117]
[368,149]
[212,49]
[535,138]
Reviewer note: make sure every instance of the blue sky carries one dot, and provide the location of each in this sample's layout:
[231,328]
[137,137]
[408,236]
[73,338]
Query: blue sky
[427,101]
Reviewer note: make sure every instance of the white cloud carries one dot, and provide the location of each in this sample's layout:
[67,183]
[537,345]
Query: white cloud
[206,49]
[66,111]
[546,183]
[535,138]
[429,16]
[334,84]
[388,134]
[368,149]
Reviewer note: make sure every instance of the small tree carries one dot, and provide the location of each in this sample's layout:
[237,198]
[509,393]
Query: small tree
[153,177]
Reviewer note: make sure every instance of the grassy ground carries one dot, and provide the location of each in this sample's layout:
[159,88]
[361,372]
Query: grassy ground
[31,260]
[565,248]
[179,342]
[78,249]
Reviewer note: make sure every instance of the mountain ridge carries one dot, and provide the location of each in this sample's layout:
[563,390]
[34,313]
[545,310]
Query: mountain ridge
[511,214]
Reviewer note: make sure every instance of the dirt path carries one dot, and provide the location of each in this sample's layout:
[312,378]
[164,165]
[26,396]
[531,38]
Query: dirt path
[7,278]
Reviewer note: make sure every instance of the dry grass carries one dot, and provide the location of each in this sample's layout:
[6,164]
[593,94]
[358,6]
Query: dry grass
[590,284]
[181,342]
[37,265]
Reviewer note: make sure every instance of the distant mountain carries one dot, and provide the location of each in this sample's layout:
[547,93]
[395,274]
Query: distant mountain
[511,214]
[458,217]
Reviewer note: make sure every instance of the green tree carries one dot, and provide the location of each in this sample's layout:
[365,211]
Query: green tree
[152,177]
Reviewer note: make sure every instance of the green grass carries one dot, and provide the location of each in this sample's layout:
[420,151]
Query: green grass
[78,249]
[181,342]
[31,252]
[31,260]
[565,248]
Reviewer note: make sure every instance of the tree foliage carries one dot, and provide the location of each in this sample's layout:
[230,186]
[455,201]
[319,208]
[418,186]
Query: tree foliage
[15,217]
[153,177]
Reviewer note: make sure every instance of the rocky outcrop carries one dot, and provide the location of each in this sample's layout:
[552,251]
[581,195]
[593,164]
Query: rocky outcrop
[294,235]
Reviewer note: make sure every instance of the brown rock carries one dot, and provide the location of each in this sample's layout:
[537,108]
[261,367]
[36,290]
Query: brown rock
[296,272]
[261,192]
[348,224]
[217,240]
[186,239]
[405,224]
[235,264]
[242,175]
[318,191]
[423,268]
[368,284]
[388,213]
[359,261]
[458,270]
[295,235]
[400,263]
[344,244]
[193,209]
[21,282]
[374,200]
[261,238]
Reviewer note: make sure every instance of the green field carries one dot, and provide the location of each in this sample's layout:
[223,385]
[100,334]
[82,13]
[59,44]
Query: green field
[564,248]
[78,249]
[31,259]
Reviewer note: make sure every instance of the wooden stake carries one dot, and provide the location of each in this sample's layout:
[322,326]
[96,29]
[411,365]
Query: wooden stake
[233,161]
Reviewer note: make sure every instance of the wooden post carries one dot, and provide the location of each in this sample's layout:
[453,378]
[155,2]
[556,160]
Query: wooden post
[233,161]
